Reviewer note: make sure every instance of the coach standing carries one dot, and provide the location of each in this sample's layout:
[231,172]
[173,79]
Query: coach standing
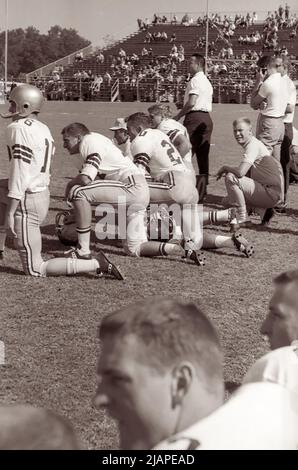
[270,96]
[283,64]
[196,109]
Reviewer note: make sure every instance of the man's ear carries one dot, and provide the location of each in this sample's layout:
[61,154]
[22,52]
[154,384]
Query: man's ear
[182,379]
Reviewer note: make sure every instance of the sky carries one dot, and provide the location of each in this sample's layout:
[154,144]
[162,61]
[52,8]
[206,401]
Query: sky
[94,19]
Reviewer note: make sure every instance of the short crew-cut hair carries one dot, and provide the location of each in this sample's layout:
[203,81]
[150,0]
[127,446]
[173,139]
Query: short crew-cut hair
[161,109]
[139,119]
[170,331]
[75,129]
[200,59]
[242,119]
[287,277]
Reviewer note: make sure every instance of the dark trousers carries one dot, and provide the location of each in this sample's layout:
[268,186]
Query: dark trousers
[199,126]
[285,154]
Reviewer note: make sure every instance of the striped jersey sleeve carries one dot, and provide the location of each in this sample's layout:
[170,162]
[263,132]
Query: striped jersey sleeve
[92,158]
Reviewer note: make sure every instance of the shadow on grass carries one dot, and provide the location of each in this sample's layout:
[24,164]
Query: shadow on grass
[9,270]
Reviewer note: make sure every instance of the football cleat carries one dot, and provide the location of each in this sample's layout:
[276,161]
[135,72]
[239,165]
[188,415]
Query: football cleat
[107,267]
[194,255]
[74,253]
[243,245]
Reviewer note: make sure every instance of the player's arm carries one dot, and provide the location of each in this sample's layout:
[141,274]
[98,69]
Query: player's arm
[187,107]
[141,155]
[238,171]
[79,180]
[11,209]
[258,93]
[182,144]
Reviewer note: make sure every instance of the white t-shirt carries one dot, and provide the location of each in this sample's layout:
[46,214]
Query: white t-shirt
[30,147]
[289,117]
[259,416]
[99,156]
[265,169]
[200,86]
[279,366]
[153,151]
[275,91]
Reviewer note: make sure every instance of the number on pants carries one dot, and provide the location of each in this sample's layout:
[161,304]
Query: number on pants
[171,150]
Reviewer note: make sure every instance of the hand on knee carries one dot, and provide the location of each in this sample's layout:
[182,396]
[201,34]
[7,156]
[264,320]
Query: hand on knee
[230,178]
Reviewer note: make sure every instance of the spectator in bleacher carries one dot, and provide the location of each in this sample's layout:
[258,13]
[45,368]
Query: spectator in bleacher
[254,17]
[100,58]
[270,96]
[293,34]
[79,57]
[146,23]
[164,19]
[185,20]
[122,53]
[150,52]
[107,78]
[173,38]
[164,36]
[174,20]
[287,11]
[148,37]
[144,52]
[197,105]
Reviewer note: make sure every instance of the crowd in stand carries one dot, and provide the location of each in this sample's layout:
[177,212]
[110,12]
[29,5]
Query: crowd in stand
[234,68]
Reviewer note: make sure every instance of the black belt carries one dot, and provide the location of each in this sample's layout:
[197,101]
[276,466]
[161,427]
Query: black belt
[198,111]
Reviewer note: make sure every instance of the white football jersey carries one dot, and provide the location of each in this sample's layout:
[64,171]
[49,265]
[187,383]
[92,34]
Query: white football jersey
[259,416]
[153,150]
[99,156]
[173,129]
[279,366]
[30,148]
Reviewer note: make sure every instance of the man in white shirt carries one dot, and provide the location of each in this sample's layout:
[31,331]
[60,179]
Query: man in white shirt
[258,416]
[264,186]
[283,65]
[160,370]
[196,109]
[270,95]
[280,366]
[121,138]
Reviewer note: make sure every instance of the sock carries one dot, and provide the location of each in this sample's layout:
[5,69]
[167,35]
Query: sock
[152,249]
[2,237]
[84,240]
[242,215]
[69,266]
[216,217]
[211,241]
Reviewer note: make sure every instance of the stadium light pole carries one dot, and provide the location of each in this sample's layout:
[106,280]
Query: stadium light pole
[207,37]
[6,46]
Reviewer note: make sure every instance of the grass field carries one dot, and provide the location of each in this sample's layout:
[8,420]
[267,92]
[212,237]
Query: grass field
[49,325]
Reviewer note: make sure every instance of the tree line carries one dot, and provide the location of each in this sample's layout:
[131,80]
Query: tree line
[28,49]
